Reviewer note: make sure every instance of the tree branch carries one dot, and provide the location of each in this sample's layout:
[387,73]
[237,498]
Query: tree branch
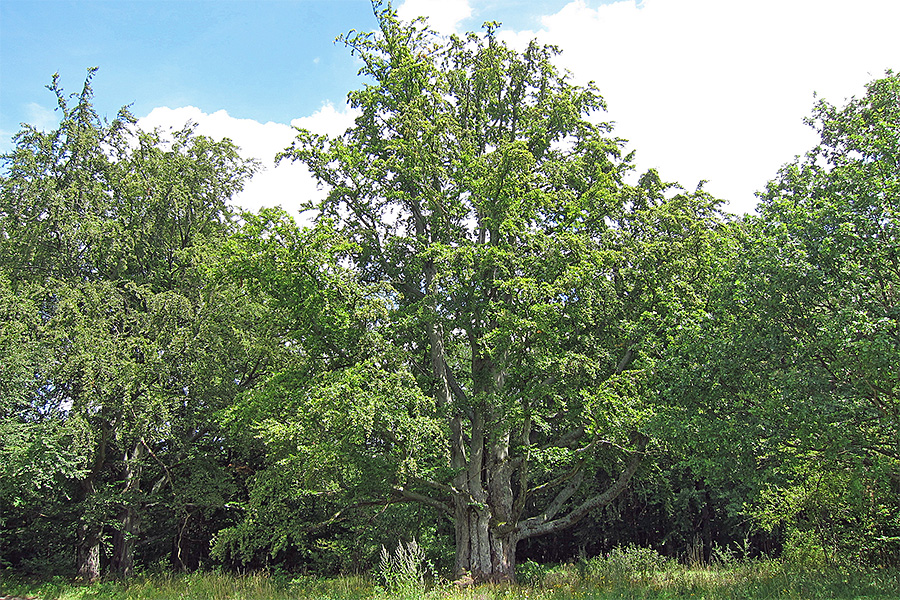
[434,484]
[626,359]
[542,524]
[566,439]
[454,385]
[422,499]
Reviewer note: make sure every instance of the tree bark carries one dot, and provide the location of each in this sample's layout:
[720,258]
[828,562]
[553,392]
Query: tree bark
[87,554]
[705,521]
[483,551]
[125,535]
[87,550]
[486,536]
[124,538]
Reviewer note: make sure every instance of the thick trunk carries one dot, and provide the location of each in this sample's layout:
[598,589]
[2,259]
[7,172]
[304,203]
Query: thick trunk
[124,538]
[485,535]
[87,549]
[125,535]
[87,555]
[484,552]
[185,553]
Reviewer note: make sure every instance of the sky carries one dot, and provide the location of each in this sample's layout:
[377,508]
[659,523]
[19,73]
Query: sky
[712,90]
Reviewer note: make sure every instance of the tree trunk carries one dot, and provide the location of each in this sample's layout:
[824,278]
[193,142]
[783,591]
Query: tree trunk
[484,552]
[125,535]
[87,550]
[486,538]
[124,538]
[87,554]
[705,521]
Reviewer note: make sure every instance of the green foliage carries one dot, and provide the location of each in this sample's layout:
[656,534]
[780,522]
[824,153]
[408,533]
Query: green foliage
[489,333]
[785,390]
[821,264]
[322,415]
[625,566]
[477,317]
[125,338]
[529,572]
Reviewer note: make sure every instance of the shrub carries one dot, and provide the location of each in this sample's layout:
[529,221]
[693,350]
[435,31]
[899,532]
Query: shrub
[625,565]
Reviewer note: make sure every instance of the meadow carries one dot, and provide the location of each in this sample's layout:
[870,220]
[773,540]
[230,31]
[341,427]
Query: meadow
[631,573]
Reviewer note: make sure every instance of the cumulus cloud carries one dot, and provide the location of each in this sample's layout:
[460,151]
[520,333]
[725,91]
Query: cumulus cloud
[327,120]
[287,185]
[444,16]
[716,90]
[703,89]
[41,117]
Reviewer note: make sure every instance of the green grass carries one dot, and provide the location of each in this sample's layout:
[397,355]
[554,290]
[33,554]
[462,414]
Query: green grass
[598,579]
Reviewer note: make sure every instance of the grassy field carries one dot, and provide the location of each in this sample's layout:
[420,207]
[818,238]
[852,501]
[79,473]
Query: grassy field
[595,579]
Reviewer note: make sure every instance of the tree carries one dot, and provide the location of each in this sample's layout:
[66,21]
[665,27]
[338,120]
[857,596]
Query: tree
[36,450]
[822,264]
[334,382]
[519,294]
[794,372]
[109,237]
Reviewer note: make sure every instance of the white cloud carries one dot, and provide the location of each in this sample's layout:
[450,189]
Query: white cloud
[286,185]
[444,16]
[40,117]
[703,89]
[706,89]
[327,120]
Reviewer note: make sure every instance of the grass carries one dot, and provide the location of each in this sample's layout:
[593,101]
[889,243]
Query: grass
[598,579]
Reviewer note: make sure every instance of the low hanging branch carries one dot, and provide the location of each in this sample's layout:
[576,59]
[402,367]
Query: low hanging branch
[544,523]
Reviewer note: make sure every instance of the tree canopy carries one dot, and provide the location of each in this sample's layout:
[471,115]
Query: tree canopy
[497,337]
[123,341]
[519,291]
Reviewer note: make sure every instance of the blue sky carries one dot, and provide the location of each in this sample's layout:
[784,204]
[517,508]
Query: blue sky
[704,89]
[268,60]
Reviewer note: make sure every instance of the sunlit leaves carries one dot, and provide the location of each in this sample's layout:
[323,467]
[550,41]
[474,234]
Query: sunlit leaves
[808,330]
[527,289]
[127,335]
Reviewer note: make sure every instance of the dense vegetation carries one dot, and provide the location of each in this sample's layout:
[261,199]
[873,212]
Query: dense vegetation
[497,341]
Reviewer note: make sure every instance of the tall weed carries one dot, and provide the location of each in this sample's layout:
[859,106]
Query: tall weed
[403,571]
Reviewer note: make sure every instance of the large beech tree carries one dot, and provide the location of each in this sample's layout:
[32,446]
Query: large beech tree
[525,292]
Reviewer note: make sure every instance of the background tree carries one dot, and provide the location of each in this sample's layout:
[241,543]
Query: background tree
[825,270]
[109,238]
[338,380]
[795,368]
[37,451]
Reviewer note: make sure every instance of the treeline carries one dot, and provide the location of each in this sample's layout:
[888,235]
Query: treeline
[497,339]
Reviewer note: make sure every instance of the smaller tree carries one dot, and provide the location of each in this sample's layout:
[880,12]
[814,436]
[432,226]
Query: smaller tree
[807,334]
[108,237]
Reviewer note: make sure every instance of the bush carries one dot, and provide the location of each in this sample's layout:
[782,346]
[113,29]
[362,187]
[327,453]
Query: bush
[625,565]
